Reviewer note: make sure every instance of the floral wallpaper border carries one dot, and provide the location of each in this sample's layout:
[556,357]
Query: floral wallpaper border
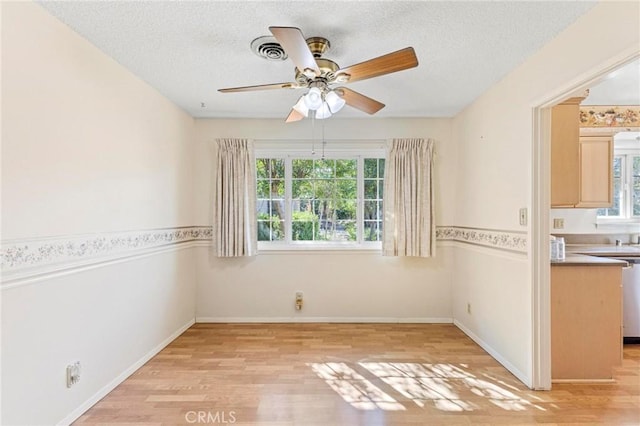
[28,254]
[503,240]
[609,116]
[38,256]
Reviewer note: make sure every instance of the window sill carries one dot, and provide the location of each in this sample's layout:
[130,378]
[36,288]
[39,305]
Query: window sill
[618,223]
[319,248]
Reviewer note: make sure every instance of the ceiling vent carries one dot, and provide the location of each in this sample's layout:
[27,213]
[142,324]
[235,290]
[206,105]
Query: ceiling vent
[268,48]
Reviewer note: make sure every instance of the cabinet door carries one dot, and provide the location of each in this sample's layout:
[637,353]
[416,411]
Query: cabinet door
[596,172]
[565,134]
[586,316]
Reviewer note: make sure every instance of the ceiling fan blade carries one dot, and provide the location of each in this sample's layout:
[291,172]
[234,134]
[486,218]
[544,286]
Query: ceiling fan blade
[294,116]
[386,64]
[294,44]
[260,87]
[359,101]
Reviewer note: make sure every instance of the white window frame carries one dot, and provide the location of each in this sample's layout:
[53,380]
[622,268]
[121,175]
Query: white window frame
[289,154]
[626,206]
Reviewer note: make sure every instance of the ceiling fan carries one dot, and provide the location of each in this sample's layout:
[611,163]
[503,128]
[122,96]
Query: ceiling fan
[319,74]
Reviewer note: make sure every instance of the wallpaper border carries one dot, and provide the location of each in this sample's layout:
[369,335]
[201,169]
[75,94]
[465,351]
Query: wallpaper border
[512,241]
[24,258]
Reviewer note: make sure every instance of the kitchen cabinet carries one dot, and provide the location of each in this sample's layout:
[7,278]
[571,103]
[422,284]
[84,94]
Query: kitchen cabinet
[596,172]
[586,320]
[565,153]
[581,167]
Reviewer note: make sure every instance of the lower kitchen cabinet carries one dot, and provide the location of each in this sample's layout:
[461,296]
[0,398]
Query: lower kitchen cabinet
[586,321]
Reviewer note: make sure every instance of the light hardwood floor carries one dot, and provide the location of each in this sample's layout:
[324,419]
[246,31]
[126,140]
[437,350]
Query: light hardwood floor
[350,374]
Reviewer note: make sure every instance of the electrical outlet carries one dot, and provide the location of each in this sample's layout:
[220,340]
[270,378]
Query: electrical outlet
[299,300]
[558,223]
[73,373]
[469,308]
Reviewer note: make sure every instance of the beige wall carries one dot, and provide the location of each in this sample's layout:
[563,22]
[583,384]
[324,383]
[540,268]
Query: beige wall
[86,148]
[495,176]
[338,286]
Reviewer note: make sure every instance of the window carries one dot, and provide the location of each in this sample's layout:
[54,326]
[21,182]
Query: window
[626,188]
[304,201]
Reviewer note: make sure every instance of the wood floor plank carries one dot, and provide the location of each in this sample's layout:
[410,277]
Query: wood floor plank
[350,374]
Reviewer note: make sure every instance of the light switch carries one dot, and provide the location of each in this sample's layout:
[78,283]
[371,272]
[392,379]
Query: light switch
[558,223]
[523,216]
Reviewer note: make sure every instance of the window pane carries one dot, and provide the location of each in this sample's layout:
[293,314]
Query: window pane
[277,188]
[370,168]
[277,168]
[381,167]
[277,208]
[372,210]
[346,189]
[302,188]
[345,209]
[302,168]
[262,168]
[372,230]
[346,168]
[345,230]
[304,226]
[324,188]
[270,228]
[324,168]
[263,189]
[370,189]
[614,210]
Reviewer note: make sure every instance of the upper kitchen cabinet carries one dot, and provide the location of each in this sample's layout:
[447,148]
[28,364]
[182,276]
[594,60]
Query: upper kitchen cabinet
[581,168]
[596,172]
[565,153]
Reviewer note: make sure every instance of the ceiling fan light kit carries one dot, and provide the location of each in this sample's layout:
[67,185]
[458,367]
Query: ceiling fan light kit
[318,74]
[334,101]
[313,98]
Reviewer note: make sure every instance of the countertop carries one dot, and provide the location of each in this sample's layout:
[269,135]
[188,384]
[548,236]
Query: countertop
[605,250]
[573,259]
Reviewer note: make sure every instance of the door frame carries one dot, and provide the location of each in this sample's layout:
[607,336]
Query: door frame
[540,210]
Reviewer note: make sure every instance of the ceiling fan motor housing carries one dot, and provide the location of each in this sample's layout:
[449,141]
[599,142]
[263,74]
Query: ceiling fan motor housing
[327,67]
[318,46]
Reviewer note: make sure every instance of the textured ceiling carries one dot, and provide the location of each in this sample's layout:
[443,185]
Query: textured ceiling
[188,50]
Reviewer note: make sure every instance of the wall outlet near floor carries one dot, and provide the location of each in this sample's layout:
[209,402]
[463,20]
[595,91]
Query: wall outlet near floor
[469,308]
[73,373]
[299,301]
[558,223]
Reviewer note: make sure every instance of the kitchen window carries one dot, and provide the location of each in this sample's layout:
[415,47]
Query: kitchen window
[307,202]
[626,188]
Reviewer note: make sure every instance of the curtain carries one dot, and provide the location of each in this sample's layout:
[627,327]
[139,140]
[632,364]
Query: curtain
[234,212]
[409,223]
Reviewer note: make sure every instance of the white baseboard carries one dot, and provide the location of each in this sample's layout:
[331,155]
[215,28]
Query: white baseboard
[122,376]
[495,354]
[270,320]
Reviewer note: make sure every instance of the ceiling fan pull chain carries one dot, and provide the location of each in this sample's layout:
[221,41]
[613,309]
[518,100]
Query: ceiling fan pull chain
[324,141]
[313,131]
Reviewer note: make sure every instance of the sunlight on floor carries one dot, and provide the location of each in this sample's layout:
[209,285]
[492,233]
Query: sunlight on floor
[441,385]
[354,388]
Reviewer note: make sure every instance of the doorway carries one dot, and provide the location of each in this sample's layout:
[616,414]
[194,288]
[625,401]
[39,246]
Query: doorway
[540,202]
